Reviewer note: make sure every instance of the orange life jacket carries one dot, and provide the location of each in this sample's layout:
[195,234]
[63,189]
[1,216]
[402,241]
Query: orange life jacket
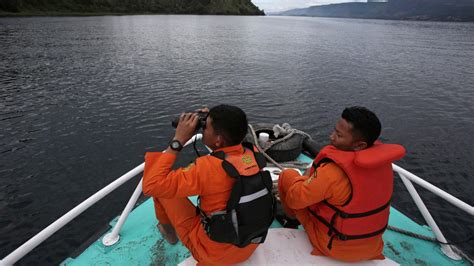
[251,206]
[246,163]
[370,173]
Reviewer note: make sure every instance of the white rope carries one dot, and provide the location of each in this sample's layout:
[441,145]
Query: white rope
[293,164]
[282,166]
[255,140]
[287,131]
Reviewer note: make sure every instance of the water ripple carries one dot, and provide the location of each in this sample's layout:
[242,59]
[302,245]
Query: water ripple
[82,98]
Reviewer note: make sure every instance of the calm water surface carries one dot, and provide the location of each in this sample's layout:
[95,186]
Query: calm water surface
[82,99]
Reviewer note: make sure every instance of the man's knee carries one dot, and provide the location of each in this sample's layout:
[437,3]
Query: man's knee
[180,211]
[286,176]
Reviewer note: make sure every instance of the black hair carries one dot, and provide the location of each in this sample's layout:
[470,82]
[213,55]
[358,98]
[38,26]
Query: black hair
[229,121]
[365,123]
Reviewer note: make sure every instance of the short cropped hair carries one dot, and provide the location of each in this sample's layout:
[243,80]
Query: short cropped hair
[229,121]
[365,124]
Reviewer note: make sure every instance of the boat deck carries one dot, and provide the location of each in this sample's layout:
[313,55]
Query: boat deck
[141,244]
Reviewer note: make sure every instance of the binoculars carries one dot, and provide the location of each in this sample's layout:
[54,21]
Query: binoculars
[202,116]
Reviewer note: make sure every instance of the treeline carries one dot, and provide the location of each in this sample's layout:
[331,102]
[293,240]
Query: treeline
[441,10]
[215,7]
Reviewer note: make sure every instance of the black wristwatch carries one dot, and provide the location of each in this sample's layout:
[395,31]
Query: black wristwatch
[175,145]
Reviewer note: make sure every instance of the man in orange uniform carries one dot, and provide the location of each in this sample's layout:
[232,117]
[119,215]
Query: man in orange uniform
[224,130]
[343,201]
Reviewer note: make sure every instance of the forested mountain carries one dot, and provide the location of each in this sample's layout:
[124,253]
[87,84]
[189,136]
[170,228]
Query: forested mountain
[217,7]
[442,10]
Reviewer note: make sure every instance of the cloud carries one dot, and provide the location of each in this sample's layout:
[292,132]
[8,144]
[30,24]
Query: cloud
[282,5]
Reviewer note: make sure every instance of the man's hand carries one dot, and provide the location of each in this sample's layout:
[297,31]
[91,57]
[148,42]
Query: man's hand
[186,127]
[203,110]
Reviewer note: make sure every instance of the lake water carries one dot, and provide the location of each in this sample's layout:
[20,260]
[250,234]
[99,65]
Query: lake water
[82,99]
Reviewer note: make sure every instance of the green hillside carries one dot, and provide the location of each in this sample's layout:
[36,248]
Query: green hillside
[86,7]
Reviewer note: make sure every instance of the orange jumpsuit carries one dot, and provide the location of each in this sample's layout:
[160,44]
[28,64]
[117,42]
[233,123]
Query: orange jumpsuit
[170,190]
[330,183]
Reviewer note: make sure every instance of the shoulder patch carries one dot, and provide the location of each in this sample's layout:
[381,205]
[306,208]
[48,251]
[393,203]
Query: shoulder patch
[246,159]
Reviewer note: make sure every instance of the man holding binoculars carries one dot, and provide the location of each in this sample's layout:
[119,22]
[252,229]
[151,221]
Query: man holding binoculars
[224,128]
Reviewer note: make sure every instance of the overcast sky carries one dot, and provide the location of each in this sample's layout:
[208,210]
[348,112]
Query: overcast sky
[282,5]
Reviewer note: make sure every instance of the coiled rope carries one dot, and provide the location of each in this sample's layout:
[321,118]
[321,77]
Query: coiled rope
[255,140]
[284,165]
[287,131]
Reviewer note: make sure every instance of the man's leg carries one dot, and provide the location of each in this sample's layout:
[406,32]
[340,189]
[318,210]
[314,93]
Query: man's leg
[288,218]
[284,182]
[181,214]
[164,224]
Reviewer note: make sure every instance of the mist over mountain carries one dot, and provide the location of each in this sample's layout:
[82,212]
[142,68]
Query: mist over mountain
[52,7]
[440,10]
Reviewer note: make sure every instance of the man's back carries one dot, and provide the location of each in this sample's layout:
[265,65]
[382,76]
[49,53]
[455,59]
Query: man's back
[206,178]
[331,184]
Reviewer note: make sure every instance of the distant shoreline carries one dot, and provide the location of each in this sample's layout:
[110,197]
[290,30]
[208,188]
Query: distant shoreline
[98,14]
[61,14]
[406,10]
[376,18]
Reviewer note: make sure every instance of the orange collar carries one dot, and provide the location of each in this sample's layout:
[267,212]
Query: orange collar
[232,149]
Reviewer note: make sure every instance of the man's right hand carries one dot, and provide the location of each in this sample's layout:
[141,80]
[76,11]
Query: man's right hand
[186,127]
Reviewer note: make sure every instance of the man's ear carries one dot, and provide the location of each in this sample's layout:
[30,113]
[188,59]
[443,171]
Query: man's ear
[360,145]
[219,141]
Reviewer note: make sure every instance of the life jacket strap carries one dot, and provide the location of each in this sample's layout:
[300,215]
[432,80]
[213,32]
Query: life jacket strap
[330,241]
[218,154]
[230,169]
[204,218]
[353,237]
[333,232]
[322,220]
[331,225]
[324,160]
[346,215]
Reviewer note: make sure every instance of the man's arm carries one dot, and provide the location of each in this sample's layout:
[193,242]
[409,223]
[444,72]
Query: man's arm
[158,178]
[306,191]
[160,181]
[185,130]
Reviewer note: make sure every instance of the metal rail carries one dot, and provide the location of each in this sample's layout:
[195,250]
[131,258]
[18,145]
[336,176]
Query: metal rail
[407,179]
[39,238]
[113,237]
[437,191]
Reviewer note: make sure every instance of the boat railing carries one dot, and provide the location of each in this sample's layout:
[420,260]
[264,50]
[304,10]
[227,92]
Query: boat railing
[111,238]
[407,179]
[39,238]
